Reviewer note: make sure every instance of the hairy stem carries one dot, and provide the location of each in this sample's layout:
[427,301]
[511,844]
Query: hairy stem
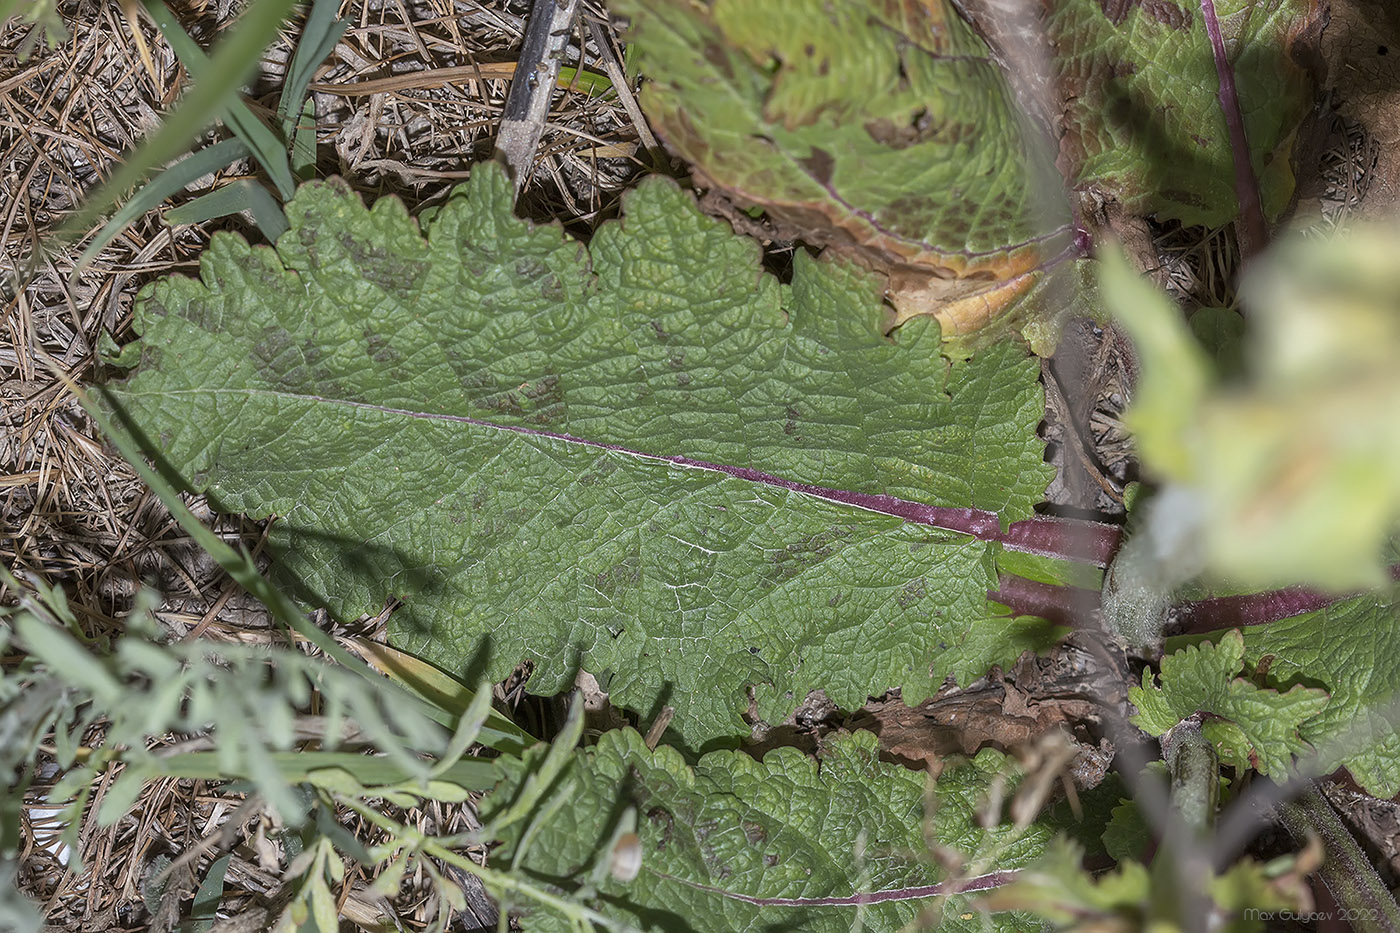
[1346,870]
[1157,558]
[1195,775]
[1063,605]
[1193,770]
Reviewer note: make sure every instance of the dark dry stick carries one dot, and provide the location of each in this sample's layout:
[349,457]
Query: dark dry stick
[547,32]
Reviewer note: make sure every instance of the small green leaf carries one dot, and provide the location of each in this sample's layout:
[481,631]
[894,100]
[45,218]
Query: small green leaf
[1353,649]
[1174,374]
[1251,726]
[1248,891]
[325,917]
[60,651]
[1221,332]
[1132,898]
[1127,835]
[121,795]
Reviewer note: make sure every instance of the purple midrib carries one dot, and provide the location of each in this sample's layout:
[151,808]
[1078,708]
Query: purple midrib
[967,885]
[1078,540]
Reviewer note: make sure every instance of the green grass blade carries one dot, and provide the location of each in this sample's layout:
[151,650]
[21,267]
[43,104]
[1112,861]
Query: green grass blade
[230,66]
[446,692]
[318,39]
[589,82]
[193,166]
[468,728]
[210,893]
[243,195]
[267,148]
[295,767]
[304,143]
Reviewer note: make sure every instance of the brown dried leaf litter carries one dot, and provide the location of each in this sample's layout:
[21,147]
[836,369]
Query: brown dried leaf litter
[398,114]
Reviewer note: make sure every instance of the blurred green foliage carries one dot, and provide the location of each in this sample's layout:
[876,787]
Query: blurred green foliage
[1293,469]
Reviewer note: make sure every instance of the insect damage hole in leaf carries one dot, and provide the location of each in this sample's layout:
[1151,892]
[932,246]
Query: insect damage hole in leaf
[575,455]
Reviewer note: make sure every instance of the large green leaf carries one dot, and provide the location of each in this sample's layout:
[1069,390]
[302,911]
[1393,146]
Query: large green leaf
[883,131]
[786,843]
[889,132]
[1142,123]
[596,457]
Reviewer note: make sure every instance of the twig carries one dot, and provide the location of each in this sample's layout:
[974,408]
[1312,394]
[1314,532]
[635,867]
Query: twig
[551,22]
[620,84]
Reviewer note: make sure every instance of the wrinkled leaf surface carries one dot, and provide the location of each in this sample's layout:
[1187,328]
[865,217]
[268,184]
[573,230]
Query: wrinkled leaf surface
[1250,726]
[1142,123]
[1353,649]
[521,438]
[784,843]
[883,131]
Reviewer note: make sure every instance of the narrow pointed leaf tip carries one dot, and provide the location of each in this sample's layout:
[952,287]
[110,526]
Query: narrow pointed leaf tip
[566,455]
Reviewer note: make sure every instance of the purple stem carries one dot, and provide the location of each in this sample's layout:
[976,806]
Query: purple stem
[1063,605]
[1067,539]
[1226,612]
[980,883]
[1071,606]
[1251,230]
